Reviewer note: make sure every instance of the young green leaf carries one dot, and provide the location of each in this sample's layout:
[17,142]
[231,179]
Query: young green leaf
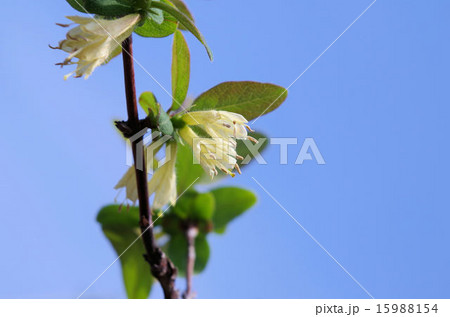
[185,21]
[181,60]
[230,203]
[177,252]
[150,27]
[148,102]
[121,229]
[183,8]
[157,115]
[248,98]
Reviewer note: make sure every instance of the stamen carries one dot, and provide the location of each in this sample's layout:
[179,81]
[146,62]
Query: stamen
[63,25]
[227,172]
[239,157]
[226,125]
[248,128]
[252,139]
[238,169]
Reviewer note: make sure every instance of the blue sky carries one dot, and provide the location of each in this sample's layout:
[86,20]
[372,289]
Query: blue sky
[376,103]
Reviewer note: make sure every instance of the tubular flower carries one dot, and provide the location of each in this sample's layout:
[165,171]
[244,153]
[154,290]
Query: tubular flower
[219,151]
[162,183]
[129,182]
[94,42]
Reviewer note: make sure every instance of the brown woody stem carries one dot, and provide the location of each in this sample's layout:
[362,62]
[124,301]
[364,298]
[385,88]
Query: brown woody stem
[161,267]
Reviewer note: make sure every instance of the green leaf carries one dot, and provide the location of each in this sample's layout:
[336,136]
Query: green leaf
[248,98]
[187,171]
[113,215]
[181,60]
[159,119]
[122,229]
[230,203]
[77,5]
[148,102]
[110,8]
[151,28]
[195,206]
[203,207]
[156,15]
[184,205]
[170,222]
[183,8]
[177,252]
[185,21]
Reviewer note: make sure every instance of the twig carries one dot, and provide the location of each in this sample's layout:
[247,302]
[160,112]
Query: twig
[191,233]
[161,267]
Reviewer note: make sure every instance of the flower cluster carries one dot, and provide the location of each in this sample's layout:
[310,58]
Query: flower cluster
[215,152]
[218,151]
[94,42]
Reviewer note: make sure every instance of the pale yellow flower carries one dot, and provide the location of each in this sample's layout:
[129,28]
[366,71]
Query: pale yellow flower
[162,183]
[95,41]
[219,151]
[128,181]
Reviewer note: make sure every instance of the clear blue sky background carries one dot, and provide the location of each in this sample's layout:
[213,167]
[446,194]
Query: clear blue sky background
[377,104]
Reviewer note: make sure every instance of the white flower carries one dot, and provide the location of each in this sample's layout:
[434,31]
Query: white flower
[95,41]
[219,151]
[164,181]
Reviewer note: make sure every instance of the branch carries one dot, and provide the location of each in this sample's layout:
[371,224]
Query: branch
[191,233]
[161,267]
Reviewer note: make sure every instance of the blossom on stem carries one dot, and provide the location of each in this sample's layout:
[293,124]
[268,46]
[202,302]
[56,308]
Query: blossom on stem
[164,181]
[219,151]
[95,41]
[128,181]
